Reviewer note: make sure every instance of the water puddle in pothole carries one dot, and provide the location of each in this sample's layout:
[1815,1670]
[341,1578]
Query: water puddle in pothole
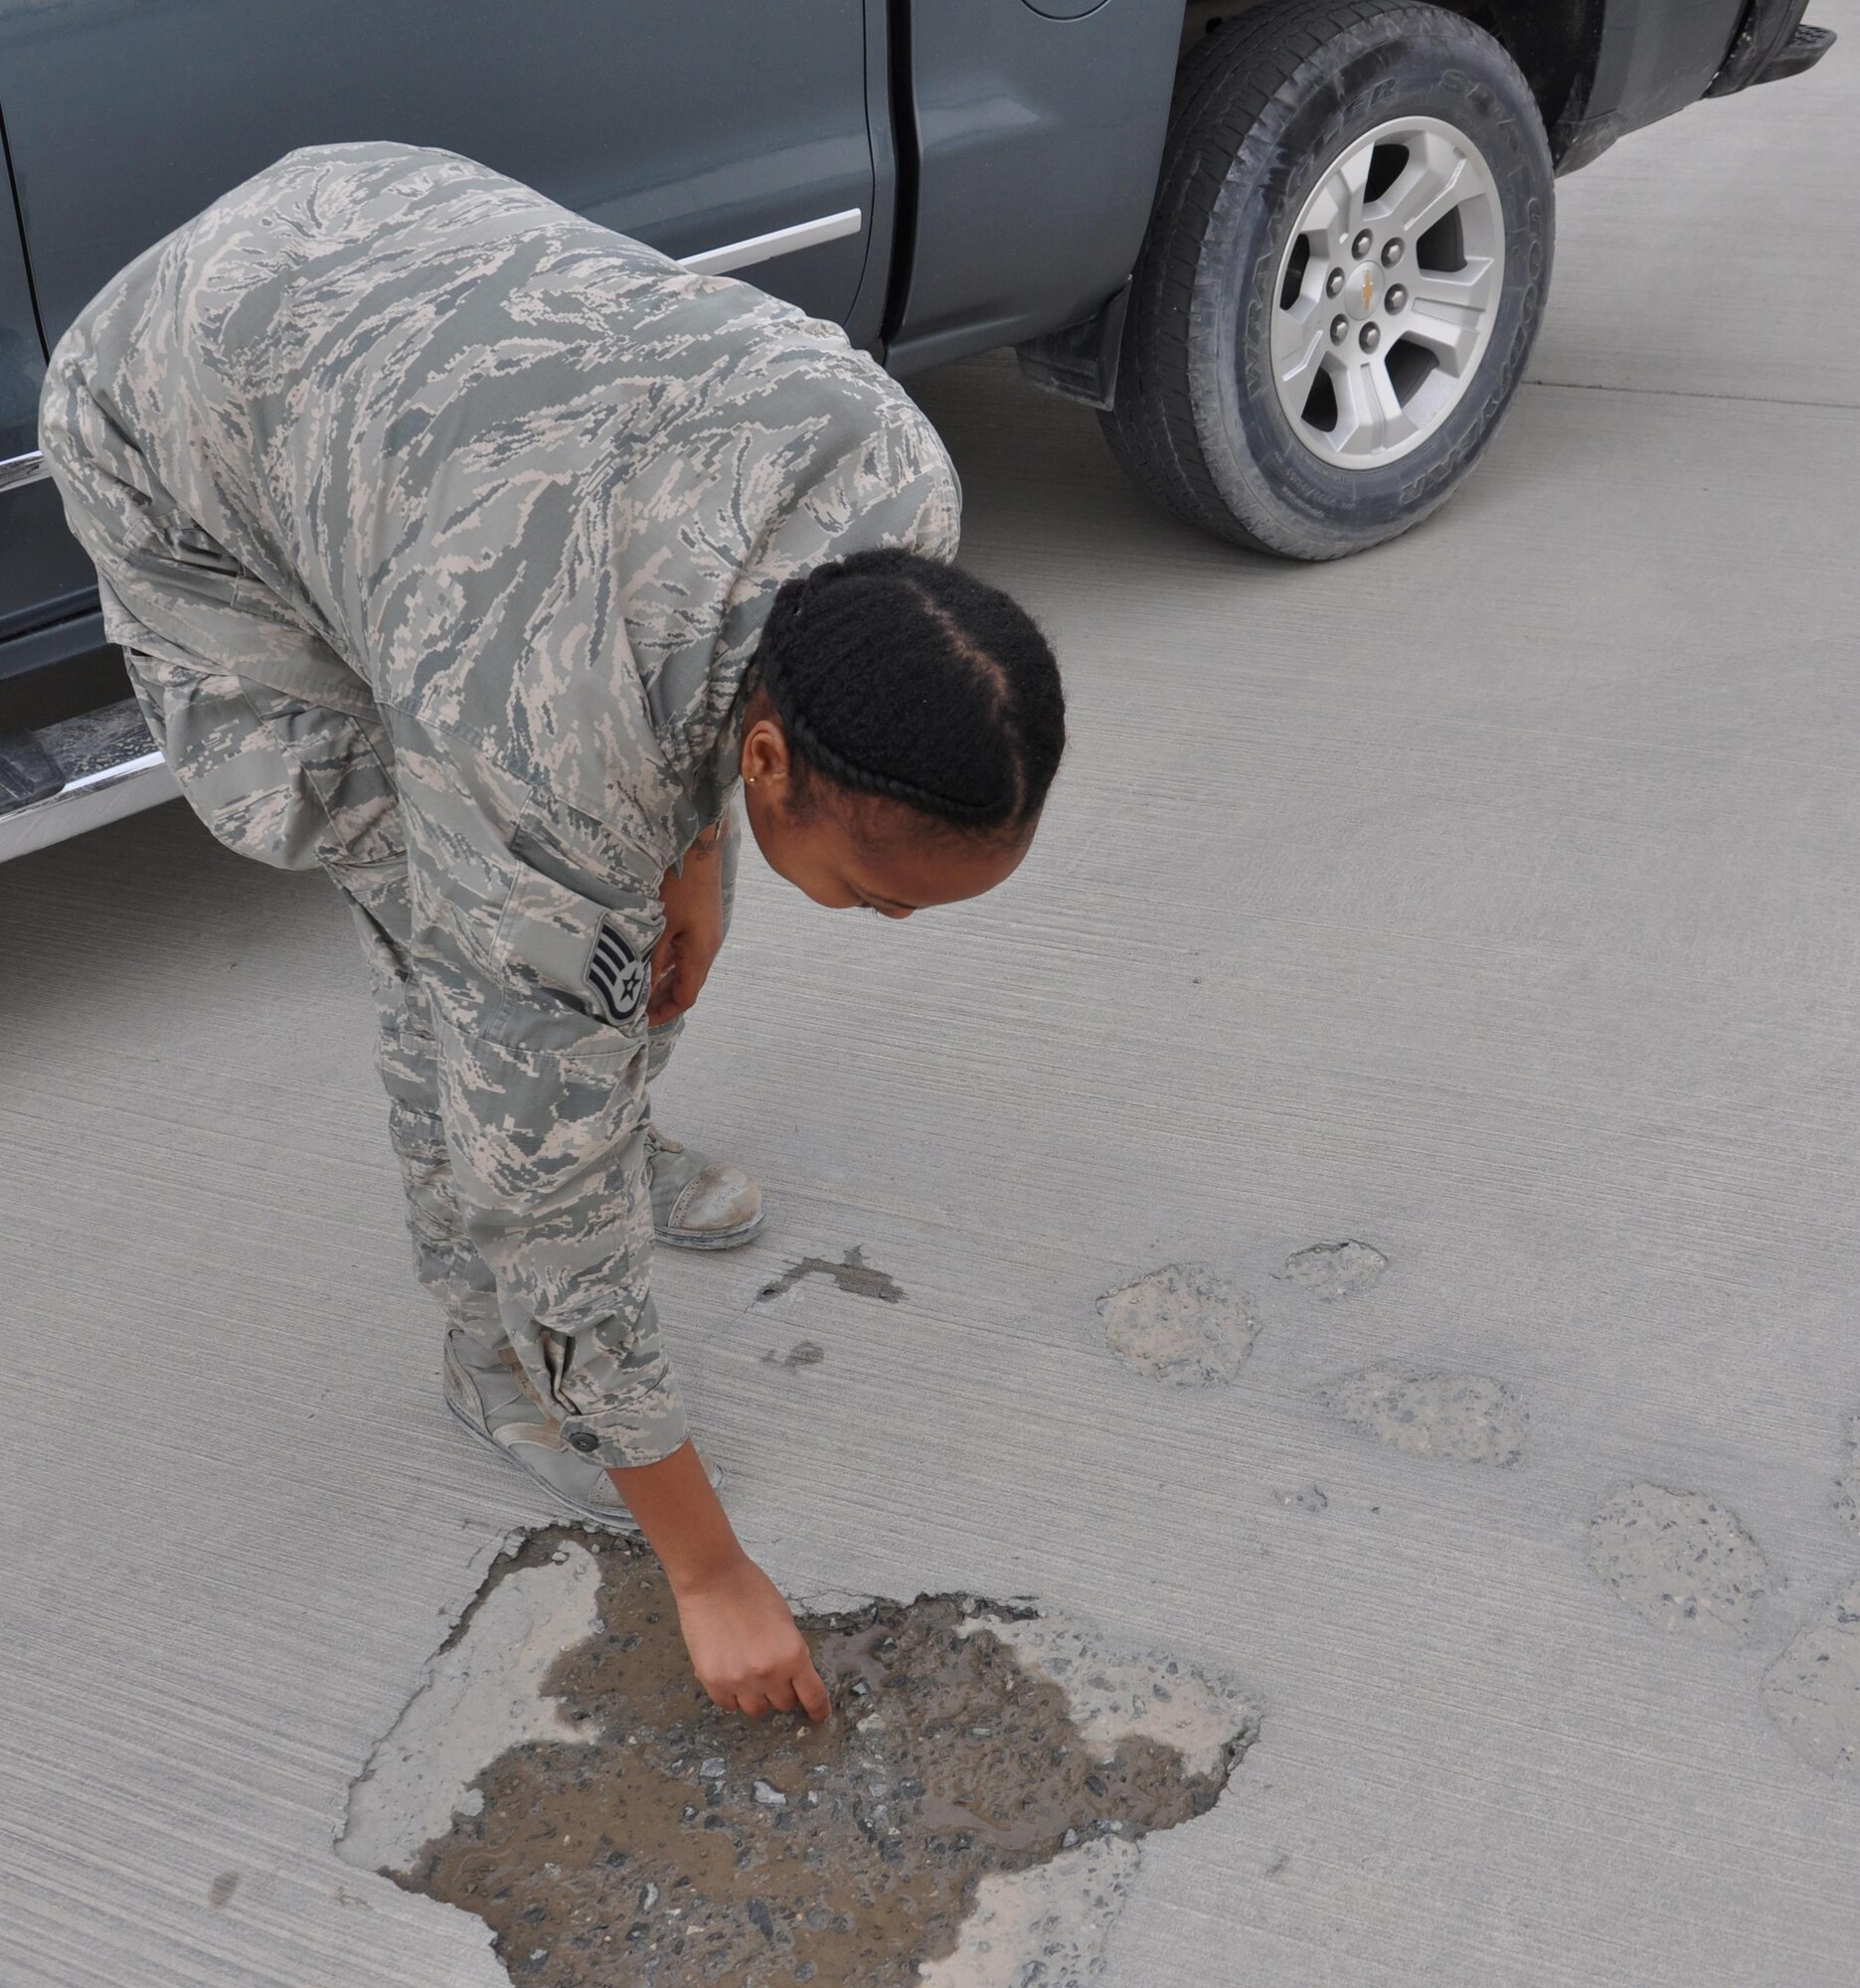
[852,1275]
[969,1818]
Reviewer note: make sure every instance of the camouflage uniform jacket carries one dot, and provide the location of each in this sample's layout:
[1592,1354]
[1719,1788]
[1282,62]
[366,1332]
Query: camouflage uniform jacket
[386,430]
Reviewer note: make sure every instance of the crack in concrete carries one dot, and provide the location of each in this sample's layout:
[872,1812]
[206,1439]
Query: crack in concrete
[969,1818]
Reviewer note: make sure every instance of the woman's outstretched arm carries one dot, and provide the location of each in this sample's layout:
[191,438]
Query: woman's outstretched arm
[741,1633]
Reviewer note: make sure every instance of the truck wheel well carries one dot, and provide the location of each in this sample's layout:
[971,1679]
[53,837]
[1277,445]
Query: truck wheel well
[1554,44]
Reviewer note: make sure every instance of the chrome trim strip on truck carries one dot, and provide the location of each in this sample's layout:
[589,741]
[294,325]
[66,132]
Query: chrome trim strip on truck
[143,762]
[18,470]
[778,241]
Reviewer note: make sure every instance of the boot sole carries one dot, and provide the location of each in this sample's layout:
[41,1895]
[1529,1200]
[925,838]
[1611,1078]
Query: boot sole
[701,1239]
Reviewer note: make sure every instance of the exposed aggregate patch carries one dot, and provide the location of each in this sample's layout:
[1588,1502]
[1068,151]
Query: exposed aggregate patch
[1456,1417]
[1335,1269]
[1185,1325]
[968,1818]
[1812,1689]
[1680,1560]
[1847,1484]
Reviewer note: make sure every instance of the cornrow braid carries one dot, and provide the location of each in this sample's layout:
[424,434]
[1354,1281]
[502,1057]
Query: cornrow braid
[897,676]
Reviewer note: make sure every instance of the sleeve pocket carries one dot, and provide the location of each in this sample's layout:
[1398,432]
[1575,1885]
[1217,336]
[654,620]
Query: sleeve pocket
[576,967]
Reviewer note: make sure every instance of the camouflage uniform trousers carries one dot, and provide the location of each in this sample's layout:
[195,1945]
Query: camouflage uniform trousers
[296,785]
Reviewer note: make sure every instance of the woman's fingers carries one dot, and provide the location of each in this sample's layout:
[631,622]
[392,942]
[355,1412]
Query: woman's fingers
[812,1692]
[674,989]
[664,982]
[801,1691]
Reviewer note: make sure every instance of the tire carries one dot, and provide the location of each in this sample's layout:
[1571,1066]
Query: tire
[1272,116]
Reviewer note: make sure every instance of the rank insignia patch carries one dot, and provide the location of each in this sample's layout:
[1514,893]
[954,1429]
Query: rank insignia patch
[617,976]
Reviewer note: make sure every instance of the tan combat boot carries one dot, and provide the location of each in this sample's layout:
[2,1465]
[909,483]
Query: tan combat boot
[699,1202]
[487,1392]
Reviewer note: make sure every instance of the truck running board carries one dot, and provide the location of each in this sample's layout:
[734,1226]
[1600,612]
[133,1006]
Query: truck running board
[1801,50]
[77,774]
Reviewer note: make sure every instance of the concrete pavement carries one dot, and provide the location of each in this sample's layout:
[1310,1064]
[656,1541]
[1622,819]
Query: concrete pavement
[1491,899]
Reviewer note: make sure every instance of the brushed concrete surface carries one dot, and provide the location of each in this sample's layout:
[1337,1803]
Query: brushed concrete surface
[1490,899]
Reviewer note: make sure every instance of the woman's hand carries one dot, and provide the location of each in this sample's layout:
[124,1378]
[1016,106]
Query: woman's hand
[745,1647]
[692,897]
[743,1644]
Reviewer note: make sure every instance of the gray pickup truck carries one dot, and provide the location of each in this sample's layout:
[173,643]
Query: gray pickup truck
[1296,251]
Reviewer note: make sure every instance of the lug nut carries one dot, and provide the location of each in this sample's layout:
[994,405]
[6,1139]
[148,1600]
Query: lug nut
[1396,298]
[1390,252]
[1334,282]
[1361,244]
[1371,337]
[1339,330]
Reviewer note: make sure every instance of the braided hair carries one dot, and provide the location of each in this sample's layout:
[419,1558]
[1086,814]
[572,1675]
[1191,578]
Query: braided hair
[897,676]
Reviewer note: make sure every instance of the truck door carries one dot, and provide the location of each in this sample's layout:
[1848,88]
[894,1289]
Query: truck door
[42,576]
[696,128]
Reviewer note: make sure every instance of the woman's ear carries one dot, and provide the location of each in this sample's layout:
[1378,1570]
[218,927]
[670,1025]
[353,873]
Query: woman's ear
[765,759]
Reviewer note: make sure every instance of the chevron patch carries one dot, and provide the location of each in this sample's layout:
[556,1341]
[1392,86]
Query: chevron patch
[617,976]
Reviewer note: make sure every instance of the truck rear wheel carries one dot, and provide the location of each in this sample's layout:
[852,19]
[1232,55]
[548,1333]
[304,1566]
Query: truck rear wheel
[1344,273]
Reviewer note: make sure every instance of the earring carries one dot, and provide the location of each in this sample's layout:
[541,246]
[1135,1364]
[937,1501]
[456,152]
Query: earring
[748,779]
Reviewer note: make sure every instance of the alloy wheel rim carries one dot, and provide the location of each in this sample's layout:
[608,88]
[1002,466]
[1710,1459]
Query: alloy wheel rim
[1387,292]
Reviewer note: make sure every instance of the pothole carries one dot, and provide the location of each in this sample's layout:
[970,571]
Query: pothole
[1679,1559]
[1185,1325]
[969,1818]
[1458,1417]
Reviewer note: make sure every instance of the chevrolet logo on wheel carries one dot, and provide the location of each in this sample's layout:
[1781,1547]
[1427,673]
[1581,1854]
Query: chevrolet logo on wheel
[1369,289]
